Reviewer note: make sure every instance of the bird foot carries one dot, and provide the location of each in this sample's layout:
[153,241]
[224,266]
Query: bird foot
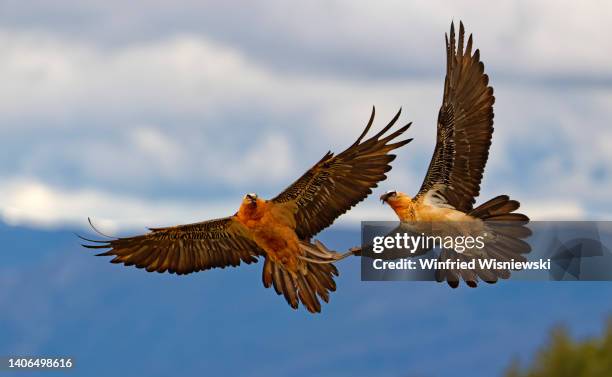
[318,253]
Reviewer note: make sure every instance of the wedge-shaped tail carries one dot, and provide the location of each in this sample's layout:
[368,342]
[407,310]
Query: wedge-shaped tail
[308,286]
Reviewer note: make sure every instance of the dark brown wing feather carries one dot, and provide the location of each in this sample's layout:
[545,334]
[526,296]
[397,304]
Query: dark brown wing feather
[465,127]
[335,184]
[185,248]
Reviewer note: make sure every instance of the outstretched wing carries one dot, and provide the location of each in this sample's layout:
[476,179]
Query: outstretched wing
[185,248]
[336,183]
[465,128]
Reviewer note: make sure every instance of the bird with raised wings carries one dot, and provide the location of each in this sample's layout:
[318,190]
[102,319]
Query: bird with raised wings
[464,133]
[279,229]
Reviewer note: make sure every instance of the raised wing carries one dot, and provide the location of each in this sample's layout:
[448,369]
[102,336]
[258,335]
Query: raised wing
[336,183]
[185,248]
[465,128]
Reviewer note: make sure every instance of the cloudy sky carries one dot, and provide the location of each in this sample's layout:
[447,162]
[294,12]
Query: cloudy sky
[151,113]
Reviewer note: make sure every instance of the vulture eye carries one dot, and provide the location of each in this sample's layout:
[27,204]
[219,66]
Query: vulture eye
[251,196]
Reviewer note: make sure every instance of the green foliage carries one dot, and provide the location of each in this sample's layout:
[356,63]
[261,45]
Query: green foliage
[563,356]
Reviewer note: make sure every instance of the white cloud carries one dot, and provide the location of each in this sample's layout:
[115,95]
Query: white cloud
[188,109]
[34,203]
[65,76]
[177,76]
[554,210]
[547,37]
[182,110]
[31,202]
[271,156]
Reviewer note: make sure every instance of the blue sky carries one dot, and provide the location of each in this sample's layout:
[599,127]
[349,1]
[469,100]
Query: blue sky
[57,299]
[157,113]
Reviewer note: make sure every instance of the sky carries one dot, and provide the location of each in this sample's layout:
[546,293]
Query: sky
[156,113]
[58,300]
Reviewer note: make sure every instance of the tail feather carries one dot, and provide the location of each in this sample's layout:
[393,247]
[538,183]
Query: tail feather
[507,231]
[500,208]
[307,287]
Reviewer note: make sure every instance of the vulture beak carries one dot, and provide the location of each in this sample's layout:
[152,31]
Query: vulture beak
[252,197]
[384,197]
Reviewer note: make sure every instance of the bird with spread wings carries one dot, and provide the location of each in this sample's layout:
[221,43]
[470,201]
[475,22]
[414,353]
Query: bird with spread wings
[278,230]
[448,192]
